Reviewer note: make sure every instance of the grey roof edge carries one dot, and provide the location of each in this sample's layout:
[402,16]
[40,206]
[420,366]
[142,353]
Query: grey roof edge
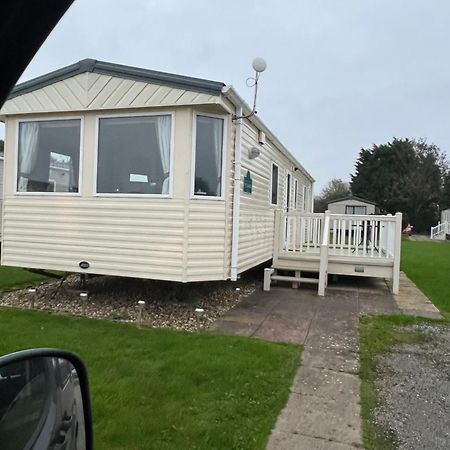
[230,93]
[118,70]
[353,197]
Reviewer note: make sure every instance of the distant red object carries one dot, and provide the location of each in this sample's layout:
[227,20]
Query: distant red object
[408,229]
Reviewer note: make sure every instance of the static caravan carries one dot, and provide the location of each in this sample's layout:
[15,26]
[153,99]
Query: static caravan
[445,215]
[353,205]
[442,229]
[123,171]
[2,161]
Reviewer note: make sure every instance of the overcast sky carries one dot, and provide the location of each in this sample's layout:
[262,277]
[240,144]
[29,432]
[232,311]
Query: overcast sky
[341,75]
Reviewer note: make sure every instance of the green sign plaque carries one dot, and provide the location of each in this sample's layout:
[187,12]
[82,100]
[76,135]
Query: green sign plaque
[248,182]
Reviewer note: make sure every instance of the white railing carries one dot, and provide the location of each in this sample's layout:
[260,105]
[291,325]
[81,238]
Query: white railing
[302,232]
[346,236]
[440,230]
[363,236]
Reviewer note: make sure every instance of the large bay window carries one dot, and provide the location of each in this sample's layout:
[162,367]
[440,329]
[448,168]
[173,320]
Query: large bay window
[134,155]
[209,133]
[49,156]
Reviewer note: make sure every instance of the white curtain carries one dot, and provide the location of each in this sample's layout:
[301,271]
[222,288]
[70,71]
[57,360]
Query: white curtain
[29,133]
[163,133]
[217,150]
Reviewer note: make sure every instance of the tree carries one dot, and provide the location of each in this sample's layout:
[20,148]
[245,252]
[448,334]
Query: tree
[445,197]
[403,175]
[335,189]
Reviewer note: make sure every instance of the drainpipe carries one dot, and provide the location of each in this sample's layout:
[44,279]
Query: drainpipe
[236,195]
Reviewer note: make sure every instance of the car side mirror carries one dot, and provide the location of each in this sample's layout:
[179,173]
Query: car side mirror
[44,401]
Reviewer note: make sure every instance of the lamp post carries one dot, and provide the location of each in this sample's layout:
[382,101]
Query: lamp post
[83,297]
[32,297]
[141,305]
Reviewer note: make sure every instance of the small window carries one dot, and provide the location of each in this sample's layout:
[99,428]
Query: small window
[208,156]
[359,210]
[49,156]
[288,192]
[134,155]
[305,201]
[274,188]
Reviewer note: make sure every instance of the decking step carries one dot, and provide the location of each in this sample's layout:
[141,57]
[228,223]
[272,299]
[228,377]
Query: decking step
[295,279]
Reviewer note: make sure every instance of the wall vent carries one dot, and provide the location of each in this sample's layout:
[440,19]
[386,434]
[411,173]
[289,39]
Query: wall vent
[261,137]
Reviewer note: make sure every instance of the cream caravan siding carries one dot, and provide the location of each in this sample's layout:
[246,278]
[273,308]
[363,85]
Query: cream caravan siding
[256,225]
[210,226]
[1,192]
[92,91]
[445,215]
[339,207]
[175,238]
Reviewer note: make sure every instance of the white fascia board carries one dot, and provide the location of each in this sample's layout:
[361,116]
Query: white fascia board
[230,93]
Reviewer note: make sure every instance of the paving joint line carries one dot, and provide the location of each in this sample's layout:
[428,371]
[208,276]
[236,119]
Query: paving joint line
[313,318]
[325,439]
[265,318]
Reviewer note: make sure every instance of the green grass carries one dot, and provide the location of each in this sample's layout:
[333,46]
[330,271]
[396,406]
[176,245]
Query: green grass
[428,265]
[15,278]
[160,389]
[377,336]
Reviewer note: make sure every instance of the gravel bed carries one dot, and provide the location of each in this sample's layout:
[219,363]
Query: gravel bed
[167,305]
[413,391]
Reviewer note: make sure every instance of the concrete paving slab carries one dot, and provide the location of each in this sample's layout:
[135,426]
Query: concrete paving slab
[277,331]
[329,324]
[288,441]
[247,316]
[299,306]
[331,359]
[333,420]
[376,303]
[233,328]
[326,383]
[412,301]
[264,302]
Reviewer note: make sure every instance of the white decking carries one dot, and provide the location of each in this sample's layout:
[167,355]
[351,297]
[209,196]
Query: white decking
[336,244]
[440,231]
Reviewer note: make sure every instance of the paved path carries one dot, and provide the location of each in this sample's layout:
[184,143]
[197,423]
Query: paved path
[323,408]
[413,302]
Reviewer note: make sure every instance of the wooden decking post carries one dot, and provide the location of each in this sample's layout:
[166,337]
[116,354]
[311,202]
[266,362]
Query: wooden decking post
[276,238]
[323,266]
[397,254]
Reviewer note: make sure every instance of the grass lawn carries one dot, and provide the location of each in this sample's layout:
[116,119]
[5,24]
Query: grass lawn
[160,389]
[377,336]
[15,278]
[428,265]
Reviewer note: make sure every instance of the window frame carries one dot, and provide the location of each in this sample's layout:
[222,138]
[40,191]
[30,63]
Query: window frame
[119,115]
[224,117]
[304,193]
[356,206]
[296,183]
[80,165]
[271,184]
[288,191]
